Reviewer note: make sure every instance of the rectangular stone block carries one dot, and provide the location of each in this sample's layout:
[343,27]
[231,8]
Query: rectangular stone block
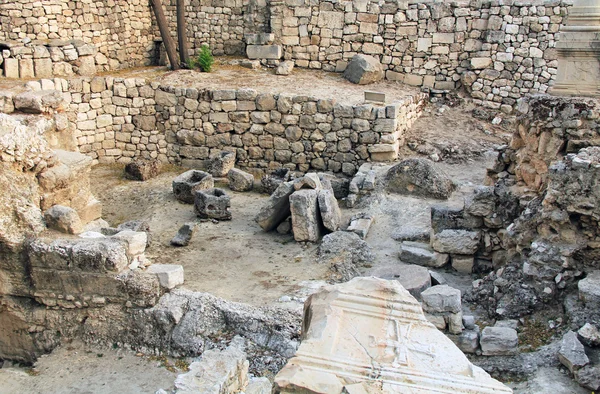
[42,68]
[11,68]
[273,52]
[26,68]
[306,221]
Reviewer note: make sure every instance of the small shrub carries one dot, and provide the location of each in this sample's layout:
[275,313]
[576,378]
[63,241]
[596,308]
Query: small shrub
[204,60]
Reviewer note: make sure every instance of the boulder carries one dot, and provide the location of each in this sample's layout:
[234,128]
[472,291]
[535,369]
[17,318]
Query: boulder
[240,181]
[142,169]
[369,322]
[345,253]
[589,334]
[499,341]
[331,214]
[306,218]
[221,163]
[184,235]
[277,208]
[419,177]
[413,234]
[363,70]
[63,219]
[572,353]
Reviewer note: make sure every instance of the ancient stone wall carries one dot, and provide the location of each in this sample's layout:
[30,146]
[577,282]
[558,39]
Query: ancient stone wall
[116,119]
[122,31]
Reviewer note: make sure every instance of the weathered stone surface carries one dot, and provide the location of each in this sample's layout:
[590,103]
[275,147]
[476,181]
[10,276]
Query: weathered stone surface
[273,52]
[441,298]
[184,235]
[412,234]
[259,386]
[277,209]
[63,219]
[589,334]
[572,353]
[218,372]
[499,341]
[589,377]
[456,241]
[364,69]
[422,254]
[37,102]
[468,341]
[136,241]
[212,203]
[419,177]
[463,264]
[360,224]
[367,321]
[285,68]
[186,184]
[142,169]
[589,288]
[331,215]
[306,217]
[413,278]
[345,253]
[240,181]
[221,163]
[169,275]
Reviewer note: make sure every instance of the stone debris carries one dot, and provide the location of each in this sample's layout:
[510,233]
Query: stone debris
[345,254]
[468,341]
[363,70]
[136,241]
[422,254]
[240,181]
[184,235]
[589,335]
[461,242]
[306,217]
[419,177]
[285,68]
[413,234]
[277,208]
[186,184]
[499,341]
[589,288]
[363,183]
[360,224]
[63,219]
[221,163]
[169,275]
[379,328]
[331,215]
[212,203]
[142,169]
[271,182]
[572,353]
[217,372]
[412,277]
[589,377]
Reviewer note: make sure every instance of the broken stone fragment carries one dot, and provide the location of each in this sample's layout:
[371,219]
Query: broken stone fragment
[285,68]
[456,242]
[589,289]
[184,235]
[136,241]
[277,208]
[221,163]
[169,275]
[339,185]
[363,70]
[142,169]
[308,181]
[345,253]
[441,298]
[212,204]
[370,321]
[589,377]
[271,182]
[186,184]
[422,254]
[572,353]
[329,209]
[240,181]
[63,219]
[499,341]
[306,220]
[419,177]
[589,334]
[360,224]
[413,278]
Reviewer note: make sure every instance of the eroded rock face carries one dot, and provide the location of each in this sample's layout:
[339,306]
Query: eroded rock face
[379,329]
[419,177]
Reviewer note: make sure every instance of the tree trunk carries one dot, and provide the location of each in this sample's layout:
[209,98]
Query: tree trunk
[163,26]
[182,33]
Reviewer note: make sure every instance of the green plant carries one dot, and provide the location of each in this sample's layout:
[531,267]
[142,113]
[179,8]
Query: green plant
[204,60]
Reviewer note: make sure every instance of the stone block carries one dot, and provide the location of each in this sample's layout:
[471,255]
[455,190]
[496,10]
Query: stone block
[456,241]
[364,69]
[169,275]
[463,264]
[329,209]
[499,341]
[221,163]
[285,68]
[136,241]
[468,341]
[63,219]
[186,184]
[212,204]
[422,254]
[184,235]
[26,69]
[306,223]
[441,299]
[142,169]
[11,68]
[240,181]
[572,353]
[360,225]
[42,68]
[37,102]
[273,52]
[277,208]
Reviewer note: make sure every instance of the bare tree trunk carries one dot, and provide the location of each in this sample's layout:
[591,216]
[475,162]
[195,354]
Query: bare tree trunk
[163,26]
[182,32]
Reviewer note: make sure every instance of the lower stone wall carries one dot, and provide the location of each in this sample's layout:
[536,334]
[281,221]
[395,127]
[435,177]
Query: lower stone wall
[115,119]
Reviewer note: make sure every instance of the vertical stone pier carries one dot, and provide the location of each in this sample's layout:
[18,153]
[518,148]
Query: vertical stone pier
[579,51]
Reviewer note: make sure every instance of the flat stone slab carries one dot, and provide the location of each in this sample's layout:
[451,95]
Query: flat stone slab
[422,254]
[370,334]
[277,208]
[413,278]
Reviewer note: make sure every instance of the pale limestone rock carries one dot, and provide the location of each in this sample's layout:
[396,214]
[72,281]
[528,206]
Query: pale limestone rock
[169,275]
[372,327]
[306,222]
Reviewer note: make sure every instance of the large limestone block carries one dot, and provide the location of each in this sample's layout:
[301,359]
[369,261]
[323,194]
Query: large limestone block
[499,341]
[273,52]
[419,177]
[306,217]
[461,242]
[330,210]
[64,219]
[38,102]
[572,353]
[364,69]
[371,333]
[169,275]
[277,208]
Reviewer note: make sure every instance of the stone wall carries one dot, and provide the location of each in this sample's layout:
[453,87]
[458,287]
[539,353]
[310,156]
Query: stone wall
[116,119]
[122,30]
